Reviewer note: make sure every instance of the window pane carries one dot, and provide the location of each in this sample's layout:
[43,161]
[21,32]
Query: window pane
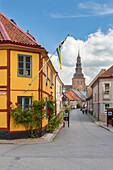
[21,65]
[27,65]
[106,86]
[21,71]
[27,72]
[20,101]
[27,101]
[106,106]
[28,59]
[21,58]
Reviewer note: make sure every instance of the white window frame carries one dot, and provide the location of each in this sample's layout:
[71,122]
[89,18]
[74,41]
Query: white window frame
[105,108]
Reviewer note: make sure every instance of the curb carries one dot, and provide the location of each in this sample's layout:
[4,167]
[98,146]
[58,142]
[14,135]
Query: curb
[48,137]
[99,124]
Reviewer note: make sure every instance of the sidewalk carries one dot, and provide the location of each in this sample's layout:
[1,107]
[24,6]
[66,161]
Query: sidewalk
[48,137]
[101,124]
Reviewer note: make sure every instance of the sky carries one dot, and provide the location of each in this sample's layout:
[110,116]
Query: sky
[89,23]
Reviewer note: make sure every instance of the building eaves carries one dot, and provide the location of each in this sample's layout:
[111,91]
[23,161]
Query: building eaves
[79,94]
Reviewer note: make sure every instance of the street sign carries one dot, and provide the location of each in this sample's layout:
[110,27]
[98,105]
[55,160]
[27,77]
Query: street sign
[109,113]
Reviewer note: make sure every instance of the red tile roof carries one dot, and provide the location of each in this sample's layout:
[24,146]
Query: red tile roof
[107,73]
[72,96]
[1,37]
[10,31]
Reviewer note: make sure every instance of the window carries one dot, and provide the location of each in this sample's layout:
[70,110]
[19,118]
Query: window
[77,81]
[60,104]
[51,79]
[95,97]
[24,101]
[81,81]
[24,65]
[46,74]
[106,88]
[60,90]
[106,106]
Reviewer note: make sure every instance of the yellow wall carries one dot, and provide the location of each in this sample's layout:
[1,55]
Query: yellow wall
[3,57]
[19,84]
[22,82]
[3,119]
[3,94]
[3,77]
[3,100]
[47,87]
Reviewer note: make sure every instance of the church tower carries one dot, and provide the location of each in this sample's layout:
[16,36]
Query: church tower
[78,80]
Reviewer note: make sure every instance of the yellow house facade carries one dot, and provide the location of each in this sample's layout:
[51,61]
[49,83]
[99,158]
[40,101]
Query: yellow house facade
[21,58]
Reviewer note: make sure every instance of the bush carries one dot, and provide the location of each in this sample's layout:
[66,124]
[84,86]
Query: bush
[78,105]
[55,121]
[50,108]
[30,118]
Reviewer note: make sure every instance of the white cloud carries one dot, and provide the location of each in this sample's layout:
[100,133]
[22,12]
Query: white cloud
[96,54]
[96,8]
[60,15]
[92,9]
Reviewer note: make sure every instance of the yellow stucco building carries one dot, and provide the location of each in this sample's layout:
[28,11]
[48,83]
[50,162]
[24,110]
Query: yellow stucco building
[21,57]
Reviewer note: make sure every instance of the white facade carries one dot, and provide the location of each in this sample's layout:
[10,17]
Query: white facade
[59,95]
[102,97]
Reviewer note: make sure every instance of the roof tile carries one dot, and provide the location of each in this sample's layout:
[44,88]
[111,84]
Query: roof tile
[108,73]
[15,33]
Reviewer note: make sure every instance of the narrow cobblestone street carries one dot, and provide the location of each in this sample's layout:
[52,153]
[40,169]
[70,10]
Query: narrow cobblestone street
[83,146]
